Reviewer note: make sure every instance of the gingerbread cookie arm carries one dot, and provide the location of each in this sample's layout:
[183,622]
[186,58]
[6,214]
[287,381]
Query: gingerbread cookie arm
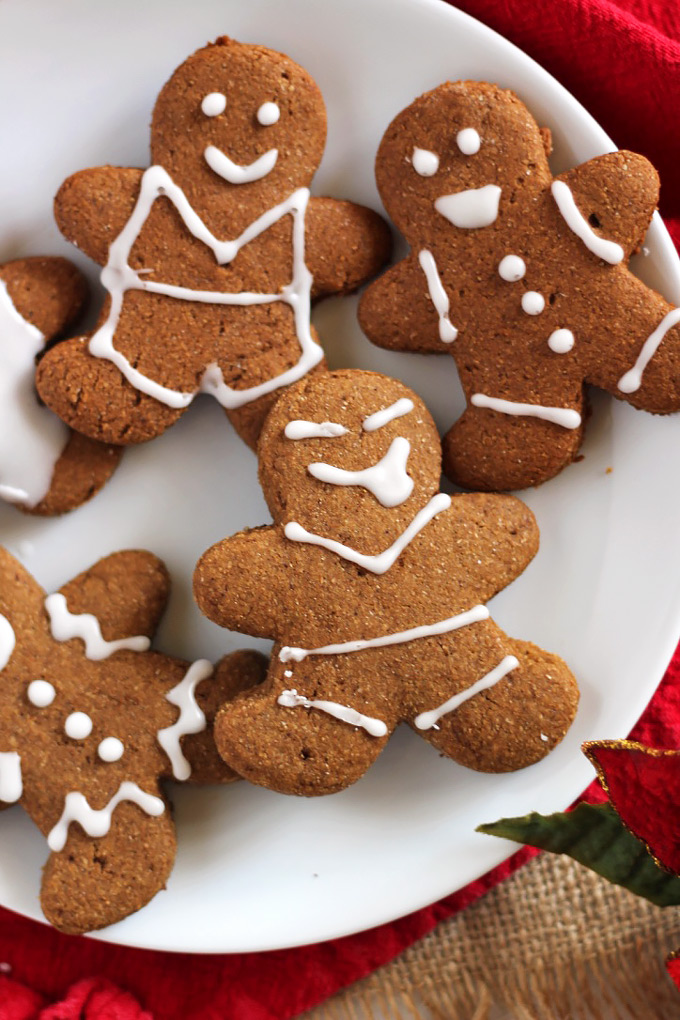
[124,595]
[493,704]
[47,292]
[614,194]
[94,882]
[634,351]
[495,538]
[237,672]
[243,582]
[407,308]
[82,469]
[345,245]
[92,207]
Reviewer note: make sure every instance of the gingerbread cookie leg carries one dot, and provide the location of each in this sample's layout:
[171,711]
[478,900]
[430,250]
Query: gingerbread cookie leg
[489,449]
[92,396]
[492,703]
[93,882]
[311,729]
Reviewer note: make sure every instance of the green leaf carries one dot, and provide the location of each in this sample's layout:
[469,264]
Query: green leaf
[594,835]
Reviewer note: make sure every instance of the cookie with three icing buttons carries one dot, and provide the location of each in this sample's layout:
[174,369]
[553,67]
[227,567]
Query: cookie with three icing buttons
[373,585]
[212,255]
[92,721]
[45,468]
[522,277]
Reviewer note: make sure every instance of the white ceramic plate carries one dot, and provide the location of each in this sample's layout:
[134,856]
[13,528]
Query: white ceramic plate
[255,870]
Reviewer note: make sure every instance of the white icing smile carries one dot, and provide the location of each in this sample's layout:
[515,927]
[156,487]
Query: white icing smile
[236,174]
[387,480]
[471,209]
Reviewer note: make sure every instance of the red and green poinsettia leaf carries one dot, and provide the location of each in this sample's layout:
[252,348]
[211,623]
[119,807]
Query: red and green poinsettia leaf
[673,967]
[643,785]
[595,836]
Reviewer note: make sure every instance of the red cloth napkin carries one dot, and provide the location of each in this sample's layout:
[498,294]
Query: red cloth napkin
[622,60]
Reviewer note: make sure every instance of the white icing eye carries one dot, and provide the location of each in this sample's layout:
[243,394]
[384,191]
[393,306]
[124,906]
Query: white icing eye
[41,693]
[468,141]
[78,726]
[110,749]
[7,641]
[214,104]
[268,114]
[425,163]
[511,268]
[533,303]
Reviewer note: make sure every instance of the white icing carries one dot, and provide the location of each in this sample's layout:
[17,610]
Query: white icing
[438,296]
[375,727]
[78,726]
[424,162]
[41,693]
[564,416]
[533,303]
[468,141]
[561,341]
[632,380]
[191,718]
[471,209]
[381,563]
[379,419]
[387,480]
[111,749]
[117,277]
[544,737]
[426,720]
[268,114]
[31,438]
[512,268]
[609,251]
[299,429]
[234,173]
[214,104]
[65,625]
[7,641]
[11,786]
[474,615]
[97,823]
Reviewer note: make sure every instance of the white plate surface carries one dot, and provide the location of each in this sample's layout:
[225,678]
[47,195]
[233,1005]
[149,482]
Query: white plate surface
[255,870]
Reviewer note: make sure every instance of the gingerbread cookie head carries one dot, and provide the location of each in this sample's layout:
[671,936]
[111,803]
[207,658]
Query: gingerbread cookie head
[372,584]
[351,449]
[521,277]
[91,721]
[464,152]
[239,123]
[44,468]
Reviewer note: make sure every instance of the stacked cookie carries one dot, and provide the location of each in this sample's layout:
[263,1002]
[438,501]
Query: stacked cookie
[371,582]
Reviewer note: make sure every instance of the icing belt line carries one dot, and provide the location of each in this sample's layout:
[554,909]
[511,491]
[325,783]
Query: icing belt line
[474,615]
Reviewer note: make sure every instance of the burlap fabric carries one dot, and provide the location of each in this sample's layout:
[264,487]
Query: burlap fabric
[554,942]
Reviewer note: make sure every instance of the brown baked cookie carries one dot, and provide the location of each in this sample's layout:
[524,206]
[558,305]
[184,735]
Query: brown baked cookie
[91,722]
[522,278]
[372,583]
[44,467]
[211,255]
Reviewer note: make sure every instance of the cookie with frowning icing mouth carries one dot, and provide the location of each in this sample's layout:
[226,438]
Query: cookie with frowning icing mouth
[92,721]
[45,468]
[212,256]
[522,277]
[373,585]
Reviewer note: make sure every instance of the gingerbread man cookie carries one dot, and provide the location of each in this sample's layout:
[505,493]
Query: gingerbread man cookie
[373,585]
[212,255]
[523,278]
[44,467]
[91,721]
